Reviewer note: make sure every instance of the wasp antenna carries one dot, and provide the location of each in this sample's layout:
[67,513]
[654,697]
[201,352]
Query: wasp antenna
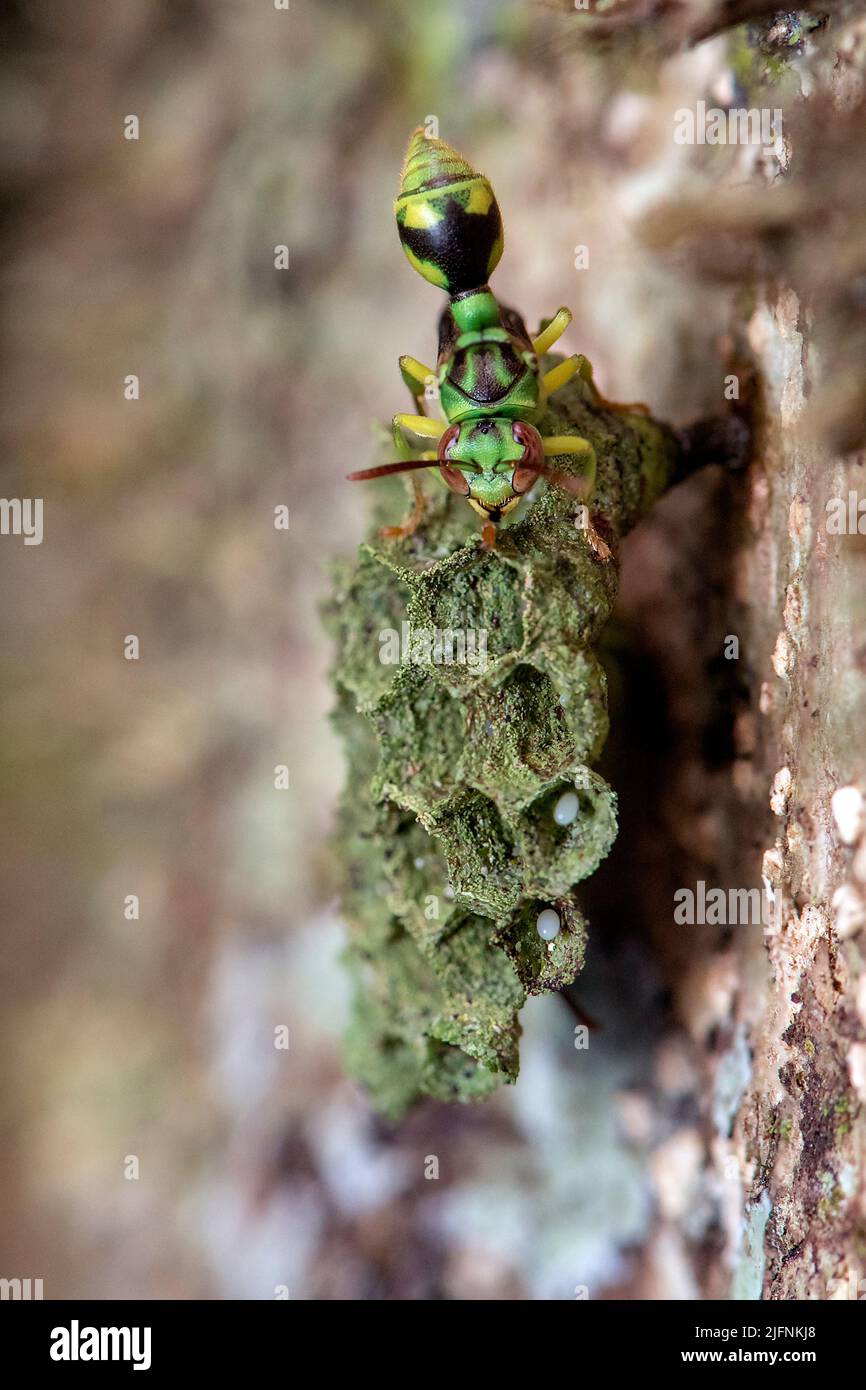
[401,466]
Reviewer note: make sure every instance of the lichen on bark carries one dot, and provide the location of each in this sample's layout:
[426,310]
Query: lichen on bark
[447,834]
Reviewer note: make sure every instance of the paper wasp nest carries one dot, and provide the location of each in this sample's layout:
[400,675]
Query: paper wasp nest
[471,703]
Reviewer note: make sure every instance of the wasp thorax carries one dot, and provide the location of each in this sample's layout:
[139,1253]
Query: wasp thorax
[448,218]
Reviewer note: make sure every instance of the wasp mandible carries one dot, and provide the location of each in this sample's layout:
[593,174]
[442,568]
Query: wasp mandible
[488,448]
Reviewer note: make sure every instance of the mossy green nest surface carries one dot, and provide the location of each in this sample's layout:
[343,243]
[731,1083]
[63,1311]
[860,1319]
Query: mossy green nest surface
[447,835]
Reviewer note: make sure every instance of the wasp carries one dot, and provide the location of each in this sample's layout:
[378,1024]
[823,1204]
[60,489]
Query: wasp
[490,389]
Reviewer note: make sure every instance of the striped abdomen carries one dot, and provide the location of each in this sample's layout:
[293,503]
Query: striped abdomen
[447,216]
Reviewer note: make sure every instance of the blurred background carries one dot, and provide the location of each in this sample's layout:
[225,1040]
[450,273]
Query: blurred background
[262,1171]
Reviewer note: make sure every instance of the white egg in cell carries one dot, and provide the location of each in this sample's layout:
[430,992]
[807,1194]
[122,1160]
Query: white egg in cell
[548,924]
[566,809]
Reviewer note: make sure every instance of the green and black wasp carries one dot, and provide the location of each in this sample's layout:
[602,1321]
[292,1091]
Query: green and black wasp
[490,390]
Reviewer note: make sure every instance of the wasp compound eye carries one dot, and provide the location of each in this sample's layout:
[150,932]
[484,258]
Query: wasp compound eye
[527,469]
[533,449]
[446,440]
[456,480]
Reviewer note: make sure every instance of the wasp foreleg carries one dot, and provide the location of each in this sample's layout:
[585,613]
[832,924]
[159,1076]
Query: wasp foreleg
[416,424]
[573,444]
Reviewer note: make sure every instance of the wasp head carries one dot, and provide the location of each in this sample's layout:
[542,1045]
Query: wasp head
[491,462]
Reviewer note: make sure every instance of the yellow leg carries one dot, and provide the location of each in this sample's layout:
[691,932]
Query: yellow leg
[573,444]
[554,330]
[568,444]
[559,375]
[418,378]
[417,424]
